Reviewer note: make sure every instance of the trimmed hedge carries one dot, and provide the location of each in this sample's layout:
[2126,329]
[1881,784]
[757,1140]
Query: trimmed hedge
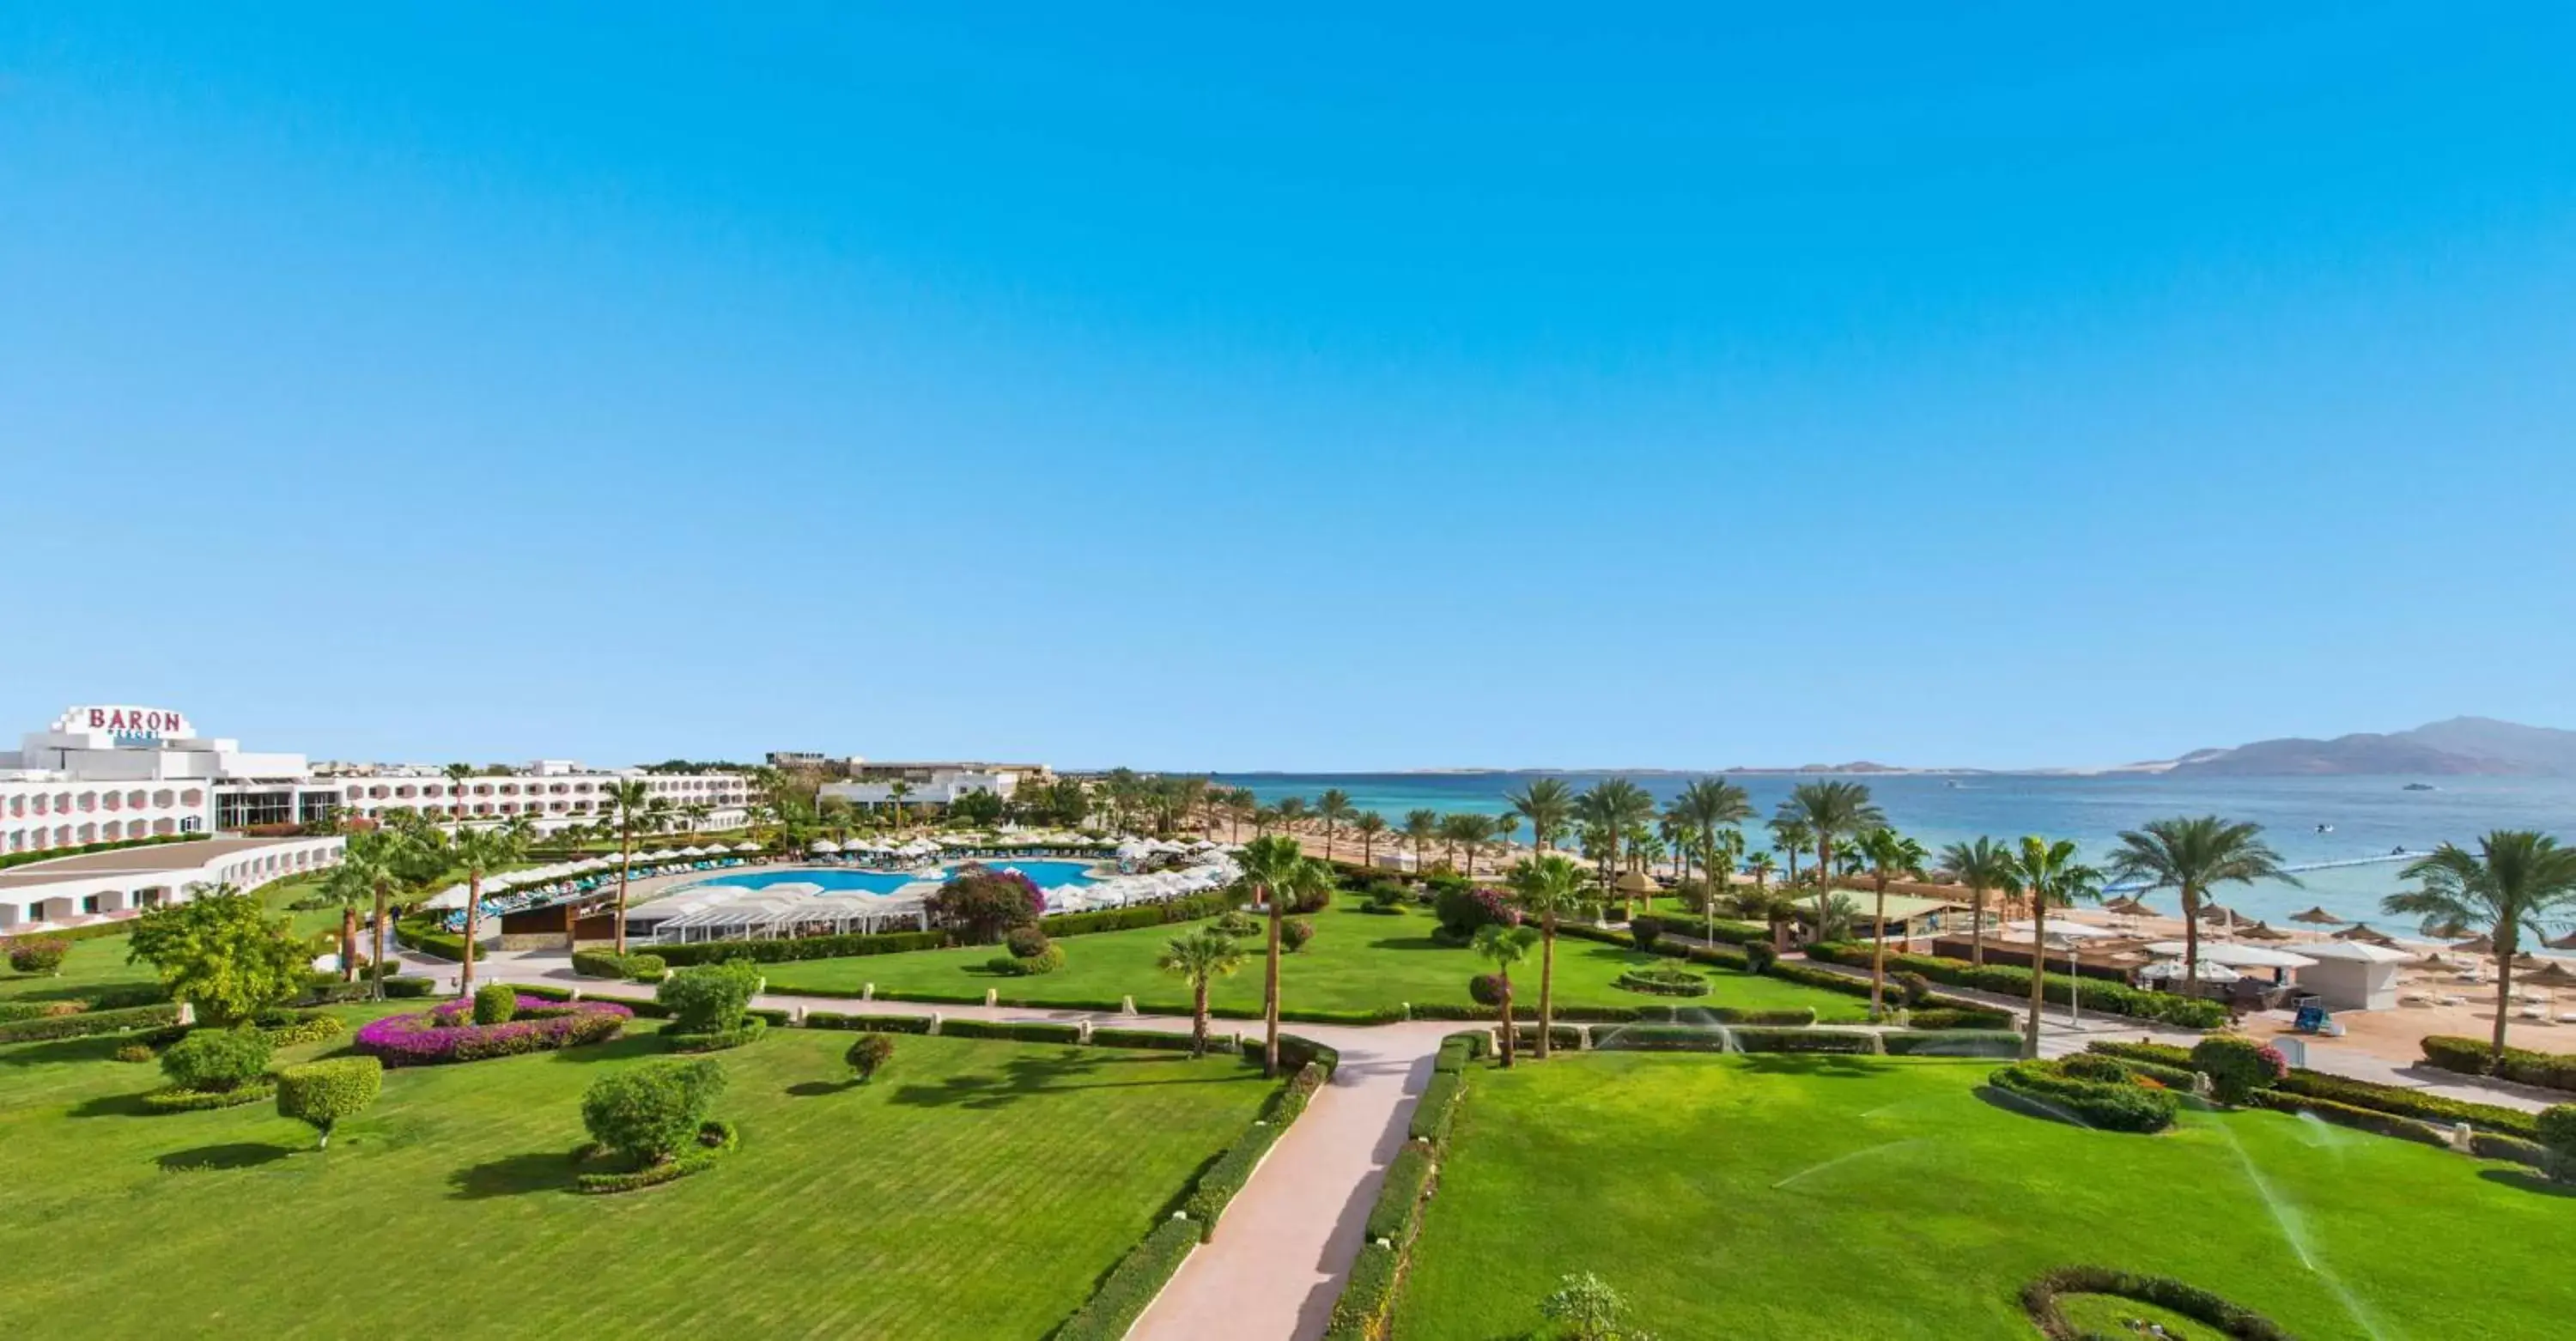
[716,1139]
[2108,997]
[636,967]
[1018,1032]
[1564,1037]
[1394,1216]
[177,1099]
[2039,1299]
[289,1029]
[1684,1038]
[1217,1184]
[872,1024]
[85,1023]
[2172,1065]
[422,936]
[2468,1056]
[320,1094]
[717,1040]
[1950,1017]
[1123,1295]
[1437,1108]
[1366,1295]
[1218,1044]
[2350,1115]
[1951,1043]
[401,986]
[2123,1106]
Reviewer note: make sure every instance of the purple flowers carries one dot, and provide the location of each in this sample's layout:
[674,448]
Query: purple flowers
[446,1033]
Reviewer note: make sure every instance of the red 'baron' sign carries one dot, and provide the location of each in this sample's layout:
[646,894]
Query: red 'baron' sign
[128,724]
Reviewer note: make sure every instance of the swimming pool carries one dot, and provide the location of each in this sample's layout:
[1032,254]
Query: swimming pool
[1047,874]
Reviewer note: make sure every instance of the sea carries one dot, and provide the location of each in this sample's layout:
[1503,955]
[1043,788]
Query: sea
[2308,820]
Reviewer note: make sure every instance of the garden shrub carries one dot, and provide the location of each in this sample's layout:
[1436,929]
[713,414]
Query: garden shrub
[1437,1108]
[287,1029]
[648,1111]
[1947,1017]
[216,1060]
[1461,908]
[1297,1052]
[2123,1107]
[1644,930]
[1131,1285]
[1294,932]
[1365,1297]
[2173,1066]
[495,1003]
[79,1024]
[1396,1213]
[2095,1066]
[1218,1183]
[715,1138]
[1027,942]
[2468,1056]
[2556,1128]
[2109,997]
[875,1024]
[1485,989]
[2350,1115]
[1916,989]
[1455,1052]
[1386,897]
[1026,1031]
[402,986]
[39,956]
[2237,1066]
[1759,956]
[321,1094]
[646,968]
[177,1100]
[868,1054]
[980,903]
[1951,1043]
[133,1052]
[1238,923]
[717,1040]
[709,998]
[1561,1038]
[599,963]
[1662,980]
[1586,1308]
[445,1034]
[2040,1300]
[545,993]
[1218,1044]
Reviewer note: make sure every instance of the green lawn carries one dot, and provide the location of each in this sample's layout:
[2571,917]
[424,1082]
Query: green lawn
[1357,961]
[976,1190]
[1780,1196]
[87,965]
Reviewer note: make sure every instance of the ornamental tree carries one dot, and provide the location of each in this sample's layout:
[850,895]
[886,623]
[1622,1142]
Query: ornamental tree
[221,952]
[981,904]
[320,1094]
[218,1060]
[2237,1066]
[2557,1130]
[709,998]
[868,1055]
[649,1111]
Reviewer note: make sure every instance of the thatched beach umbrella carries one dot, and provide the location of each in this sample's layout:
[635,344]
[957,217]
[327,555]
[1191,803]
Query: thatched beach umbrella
[2362,931]
[2263,932]
[1636,882]
[2553,974]
[2126,906]
[2479,945]
[2318,916]
[2566,942]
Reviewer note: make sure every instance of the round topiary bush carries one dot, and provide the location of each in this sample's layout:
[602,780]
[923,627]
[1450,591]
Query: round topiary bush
[646,968]
[1045,961]
[320,1094]
[216,1060]
[1294,933]
[1645,929]
[39,956]
[2237,1066]
[868,1055]
[495,1003]
[1486,989]
[647,1112]
[2557,1130]
[1027,942]
[710,998]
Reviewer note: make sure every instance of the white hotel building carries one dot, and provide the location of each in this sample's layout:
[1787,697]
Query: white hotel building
[106,774]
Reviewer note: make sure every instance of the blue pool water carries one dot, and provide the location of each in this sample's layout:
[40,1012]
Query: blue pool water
[1047,874]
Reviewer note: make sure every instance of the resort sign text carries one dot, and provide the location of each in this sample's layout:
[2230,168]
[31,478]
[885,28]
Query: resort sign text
[126,725]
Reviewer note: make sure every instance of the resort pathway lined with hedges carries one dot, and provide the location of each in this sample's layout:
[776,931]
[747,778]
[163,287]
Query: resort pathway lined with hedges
[1286,1243]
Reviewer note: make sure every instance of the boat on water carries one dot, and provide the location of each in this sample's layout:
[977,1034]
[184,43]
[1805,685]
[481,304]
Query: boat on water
[2417,787]
[2325,828]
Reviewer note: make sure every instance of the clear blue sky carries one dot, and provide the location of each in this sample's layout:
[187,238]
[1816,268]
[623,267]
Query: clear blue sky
[1480,385]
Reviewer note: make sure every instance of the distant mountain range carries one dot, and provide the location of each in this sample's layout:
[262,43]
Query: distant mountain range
[2459,747]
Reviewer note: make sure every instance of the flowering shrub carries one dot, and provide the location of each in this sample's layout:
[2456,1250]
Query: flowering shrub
[447,1033]
[981,903]
[2237,1066]
[1461,909]
[39,956]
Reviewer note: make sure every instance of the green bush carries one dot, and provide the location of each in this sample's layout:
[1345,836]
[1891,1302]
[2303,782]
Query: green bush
[716,1040]
[1047,960]
[648,1111]
[133,1052]
[1232,1168]
[1396,1213]
[1644,930]
[1914,988]
[496,1003]
[1951,1043]
[2109,997]
[39,956]
[607,964]
[79,1024]
[1294,932]
[1238,923]
[868,1054]
[2123,1107]
[1759,956]
[1026,942]
[709,998]
[177,1100]
[402,986]
[715,1138]
[646,968]
[287,1029]
[1361,1309]
[1437,1108]
[2556,1128]
[1944,1017]
[1032,1031]
[2237,1066]
[875,1024]
[321,1094]
[2468,1056]
[2095,1066]
[216,1060]
[1662,980]
[1132,1284]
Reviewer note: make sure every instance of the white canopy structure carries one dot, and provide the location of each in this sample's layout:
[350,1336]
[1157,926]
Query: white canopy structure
[2241,956]
[2353,975]
[823,847]
[2210,971]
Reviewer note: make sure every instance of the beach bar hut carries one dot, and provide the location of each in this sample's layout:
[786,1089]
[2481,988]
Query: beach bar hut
[2353,975]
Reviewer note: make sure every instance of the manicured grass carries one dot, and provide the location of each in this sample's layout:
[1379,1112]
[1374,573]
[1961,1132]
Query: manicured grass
[1357,961]
[974,1190]
[1789,1196]
[87,965]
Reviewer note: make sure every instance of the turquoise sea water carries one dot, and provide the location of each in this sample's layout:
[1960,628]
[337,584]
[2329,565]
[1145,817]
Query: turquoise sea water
[1047,874]
[2369,815]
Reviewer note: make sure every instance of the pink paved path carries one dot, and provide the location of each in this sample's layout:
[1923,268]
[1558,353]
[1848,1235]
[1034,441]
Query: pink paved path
[1286,1242]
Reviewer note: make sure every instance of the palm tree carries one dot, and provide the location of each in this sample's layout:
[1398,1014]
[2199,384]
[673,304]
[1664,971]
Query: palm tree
[1467,831]
[480,852]
[1505,946]
[1547,803]
[1290,810]
[696,814]
[2516,882]
[896,791]
[627,800]
[1830,811]
[1761,864]
[1333,807]
[1278,871]
[1708,805]
[2046,873]
[2189,856]
[1368,826]
[1982,865]
[1889,854]
[1616,806]
[1547,887]
[350,883]
[1791,837]
[368,860]
[1723,854]
[1501,827]
[1241,805]
[1201,957]
[1420,828]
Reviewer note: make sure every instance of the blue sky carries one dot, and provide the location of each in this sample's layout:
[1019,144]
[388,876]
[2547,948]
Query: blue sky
[1478,385]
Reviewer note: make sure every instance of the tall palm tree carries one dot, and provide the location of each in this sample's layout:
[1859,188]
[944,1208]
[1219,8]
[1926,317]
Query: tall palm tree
[1241,805]
[1791,837]
[350,883]
[2047,874]
[1503,947]
[1830,811]
[457,776]
[1761,864]
[1547,887]
[1333,808]
[1708,805]
[1982,866]
[1421,827]
[1200,958]
[1890,855]
[1547,803]
[481,852]
[1467,831]
[627,800]
[2516,882]
[1368,825]
[368,860]
[1290,809]
[1279,872]
[2190,855]
[1617,807]
[696,814]
[1500,828]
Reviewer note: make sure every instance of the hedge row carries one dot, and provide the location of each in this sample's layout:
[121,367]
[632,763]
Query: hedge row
[1366,1295]
[2109,997]
[2039,1299]
[2165,1059]
[1437,1108]
[422,936]
[1951,1043]
[1026,1032]
[1396,1216]
[1123,1295]
[2103,1105]
[870,1024]
[88,1022]
[1564,1037]
[1393,1216]
[2468,1056]
[176,1100]
[1684,1038]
